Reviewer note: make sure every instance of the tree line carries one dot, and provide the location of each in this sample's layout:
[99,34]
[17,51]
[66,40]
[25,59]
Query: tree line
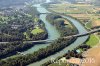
[70,54]
[65,31]
[54,47]
[13,47]
[22,22]
[38,55]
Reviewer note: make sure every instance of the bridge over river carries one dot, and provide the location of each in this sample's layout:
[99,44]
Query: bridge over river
[77,35]
[84,34]
[49,41]
[44,13]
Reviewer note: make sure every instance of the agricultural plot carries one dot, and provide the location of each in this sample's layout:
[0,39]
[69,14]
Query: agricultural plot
[93,41]
[86,13]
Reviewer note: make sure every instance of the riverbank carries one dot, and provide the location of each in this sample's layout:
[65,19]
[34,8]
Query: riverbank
[64,26]
[13,32]
[70,47]
[38,55]
[50,56]
[63,43]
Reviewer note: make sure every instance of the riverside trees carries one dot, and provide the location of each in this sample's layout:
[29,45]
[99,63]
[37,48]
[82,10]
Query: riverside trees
[63,28]
[38,55]
[12,30]
[54,47]
[19,22]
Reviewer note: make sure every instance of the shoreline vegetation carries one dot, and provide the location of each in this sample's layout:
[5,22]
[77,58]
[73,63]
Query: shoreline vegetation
[22,26]
[42,53]
[30,58]
[64,26]
[83,47]
[40,33]
[88,43]
[14,31]
[38,55]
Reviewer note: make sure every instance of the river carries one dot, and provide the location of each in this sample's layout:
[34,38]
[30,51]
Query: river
[78,41]
[53,34]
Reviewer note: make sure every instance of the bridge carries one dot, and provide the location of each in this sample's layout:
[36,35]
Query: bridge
[40,41]
[88,33]
[77,35]
[44,13]
[49,41]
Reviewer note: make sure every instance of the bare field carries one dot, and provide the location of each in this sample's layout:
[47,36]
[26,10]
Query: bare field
[85,16]
[92,57]
[84,12]
[93,53]
[96,23]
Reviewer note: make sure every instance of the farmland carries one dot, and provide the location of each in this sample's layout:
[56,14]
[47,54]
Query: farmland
[83,12]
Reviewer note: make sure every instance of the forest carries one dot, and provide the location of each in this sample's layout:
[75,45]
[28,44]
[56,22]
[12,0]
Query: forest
[54,47]
[21,27]
[18,26]
[38,55]
[13,48]
[19,22]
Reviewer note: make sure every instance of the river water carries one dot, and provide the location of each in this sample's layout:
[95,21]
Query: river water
[54,34]
[78,42]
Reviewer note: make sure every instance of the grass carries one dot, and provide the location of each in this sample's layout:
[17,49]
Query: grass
[34,32]
[3,19]
[28,15]
[56,64]
[89,25]
[81,50]
[27,37]
[70,9]
[37,30]
[92,41]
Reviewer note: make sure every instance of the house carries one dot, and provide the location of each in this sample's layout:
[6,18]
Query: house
[15,26]
[78,51]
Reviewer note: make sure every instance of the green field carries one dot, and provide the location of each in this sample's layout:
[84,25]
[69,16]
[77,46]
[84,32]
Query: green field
[92,41]
[37,30]
[27,37]
[89,25]
[5,19]
[34,32]
[70,8]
